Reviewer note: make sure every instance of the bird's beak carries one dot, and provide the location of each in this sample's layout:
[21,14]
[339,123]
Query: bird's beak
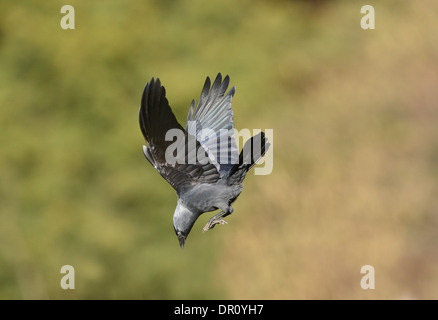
[181,239]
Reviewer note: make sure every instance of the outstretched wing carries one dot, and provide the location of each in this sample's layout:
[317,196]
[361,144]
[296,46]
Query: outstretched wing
[156,119]
[212,123]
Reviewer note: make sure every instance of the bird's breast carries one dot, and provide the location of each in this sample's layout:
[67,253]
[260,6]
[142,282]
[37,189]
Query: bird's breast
[208,197]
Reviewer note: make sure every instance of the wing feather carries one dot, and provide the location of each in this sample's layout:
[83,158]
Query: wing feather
[156,118]
[214,112]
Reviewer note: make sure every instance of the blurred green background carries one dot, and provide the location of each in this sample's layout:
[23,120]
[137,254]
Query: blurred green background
[355,179]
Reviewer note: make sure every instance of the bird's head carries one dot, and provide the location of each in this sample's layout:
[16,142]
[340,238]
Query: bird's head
[183,220]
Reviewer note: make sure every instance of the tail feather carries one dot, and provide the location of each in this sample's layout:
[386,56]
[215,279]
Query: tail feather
[253,150]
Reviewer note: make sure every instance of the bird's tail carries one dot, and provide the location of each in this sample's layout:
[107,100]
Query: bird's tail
[253,150]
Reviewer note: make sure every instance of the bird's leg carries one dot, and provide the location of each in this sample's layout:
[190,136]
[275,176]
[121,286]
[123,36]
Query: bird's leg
[217,219]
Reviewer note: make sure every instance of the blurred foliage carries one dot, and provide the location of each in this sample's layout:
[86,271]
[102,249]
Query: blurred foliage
[355,175]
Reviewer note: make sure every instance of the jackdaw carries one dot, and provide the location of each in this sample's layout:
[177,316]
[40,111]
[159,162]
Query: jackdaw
[202,164]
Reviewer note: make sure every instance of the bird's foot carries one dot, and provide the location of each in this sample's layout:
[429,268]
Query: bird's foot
[213,222]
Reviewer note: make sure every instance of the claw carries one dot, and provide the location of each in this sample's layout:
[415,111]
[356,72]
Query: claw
[212,222]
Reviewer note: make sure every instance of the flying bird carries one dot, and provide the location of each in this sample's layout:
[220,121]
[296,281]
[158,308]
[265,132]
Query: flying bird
[202,164]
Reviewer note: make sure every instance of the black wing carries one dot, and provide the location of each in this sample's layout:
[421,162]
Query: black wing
[156,119]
